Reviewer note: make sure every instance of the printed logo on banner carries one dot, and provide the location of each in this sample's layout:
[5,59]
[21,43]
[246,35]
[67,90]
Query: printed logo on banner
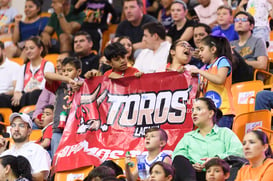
[215,97]
[140,110]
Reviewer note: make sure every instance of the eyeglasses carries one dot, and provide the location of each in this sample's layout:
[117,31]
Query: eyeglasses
[185,45]
[20,125]
[240,19]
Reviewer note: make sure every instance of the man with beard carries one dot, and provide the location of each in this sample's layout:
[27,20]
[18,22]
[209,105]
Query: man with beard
[83,50]
[8,76]
[21,126]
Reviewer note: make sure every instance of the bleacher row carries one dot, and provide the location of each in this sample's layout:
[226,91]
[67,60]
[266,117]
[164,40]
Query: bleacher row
[246,119]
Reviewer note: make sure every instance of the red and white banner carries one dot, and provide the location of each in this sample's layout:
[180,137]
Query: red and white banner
[109,117]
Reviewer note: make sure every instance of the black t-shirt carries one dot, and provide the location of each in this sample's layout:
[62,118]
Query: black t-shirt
[135,33]
[176,34]
[89,62]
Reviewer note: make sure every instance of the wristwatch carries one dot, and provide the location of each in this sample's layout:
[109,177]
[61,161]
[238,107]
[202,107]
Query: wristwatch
[61,15]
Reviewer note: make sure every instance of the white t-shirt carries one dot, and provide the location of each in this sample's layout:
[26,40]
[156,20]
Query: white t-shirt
[7,15]
[208,14]
[8,74]
[49,67]
[37,156]
[259,9]
[149,61]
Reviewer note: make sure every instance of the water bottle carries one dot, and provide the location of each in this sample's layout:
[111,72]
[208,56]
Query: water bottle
[142,173]
[62,122]
[128,154]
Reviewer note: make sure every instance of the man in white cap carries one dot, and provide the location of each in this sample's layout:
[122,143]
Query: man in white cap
[21,126]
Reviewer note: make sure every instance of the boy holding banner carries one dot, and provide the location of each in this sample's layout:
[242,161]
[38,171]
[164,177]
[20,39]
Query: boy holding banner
[115,54]
[62,86]
[155,141]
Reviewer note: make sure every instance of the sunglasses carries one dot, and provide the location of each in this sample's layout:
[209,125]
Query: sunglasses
[240,19]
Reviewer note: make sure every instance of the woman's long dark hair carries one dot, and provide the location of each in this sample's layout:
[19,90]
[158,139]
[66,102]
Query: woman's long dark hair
[19,165]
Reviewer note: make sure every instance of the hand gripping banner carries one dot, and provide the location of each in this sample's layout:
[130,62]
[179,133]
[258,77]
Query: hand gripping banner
[109,117]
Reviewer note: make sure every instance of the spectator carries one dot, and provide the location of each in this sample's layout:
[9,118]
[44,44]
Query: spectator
[65,23]
[30,81]
[46,123]
[200,31]
[8,76]
[192,152]
[264,100]
[99,173]
[46,97]
[260,10]
[15,168]
[164,15]
[225,25]
[154,57]
[131,27]
[258,151]
[217,170]
[83,49]
[182,28]
[155,141]
[33,25]
[161,171]
[252,49]
[62,86]
[115,53]
[8,14]
[95,23]
[206,11]
[127,43]
[216,76]
[39,159]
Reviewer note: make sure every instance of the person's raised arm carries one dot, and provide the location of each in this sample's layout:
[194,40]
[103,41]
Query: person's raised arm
[16,30]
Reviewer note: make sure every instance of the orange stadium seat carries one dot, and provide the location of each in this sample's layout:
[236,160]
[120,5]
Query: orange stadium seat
[268,132]
[5,112]
[18,60]
[36,135]
[108,35]
[246,122]
[73,175]
[268,78]
[52,58]
[242,93]
[27,109]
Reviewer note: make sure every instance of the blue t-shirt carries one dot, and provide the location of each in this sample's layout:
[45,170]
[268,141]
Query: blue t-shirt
[230,33]
[32,29]
[222,62]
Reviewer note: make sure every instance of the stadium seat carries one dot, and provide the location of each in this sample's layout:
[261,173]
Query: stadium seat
[268,78]
[121,162]
[242,93]
[108,35]
[268,132]
[52,58]
[18,60]
[36,135]
[73,175]
[6,112]
[246,122]
[27,109]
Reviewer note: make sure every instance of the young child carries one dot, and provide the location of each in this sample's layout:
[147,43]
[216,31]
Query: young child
[155,141]
[7,15]
[161,171]
[216,75]
[217,170]
[224,19]
[46,122]
[115,53]
[63,86]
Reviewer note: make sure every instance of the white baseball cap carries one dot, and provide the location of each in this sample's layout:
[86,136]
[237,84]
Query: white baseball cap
[23,116]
